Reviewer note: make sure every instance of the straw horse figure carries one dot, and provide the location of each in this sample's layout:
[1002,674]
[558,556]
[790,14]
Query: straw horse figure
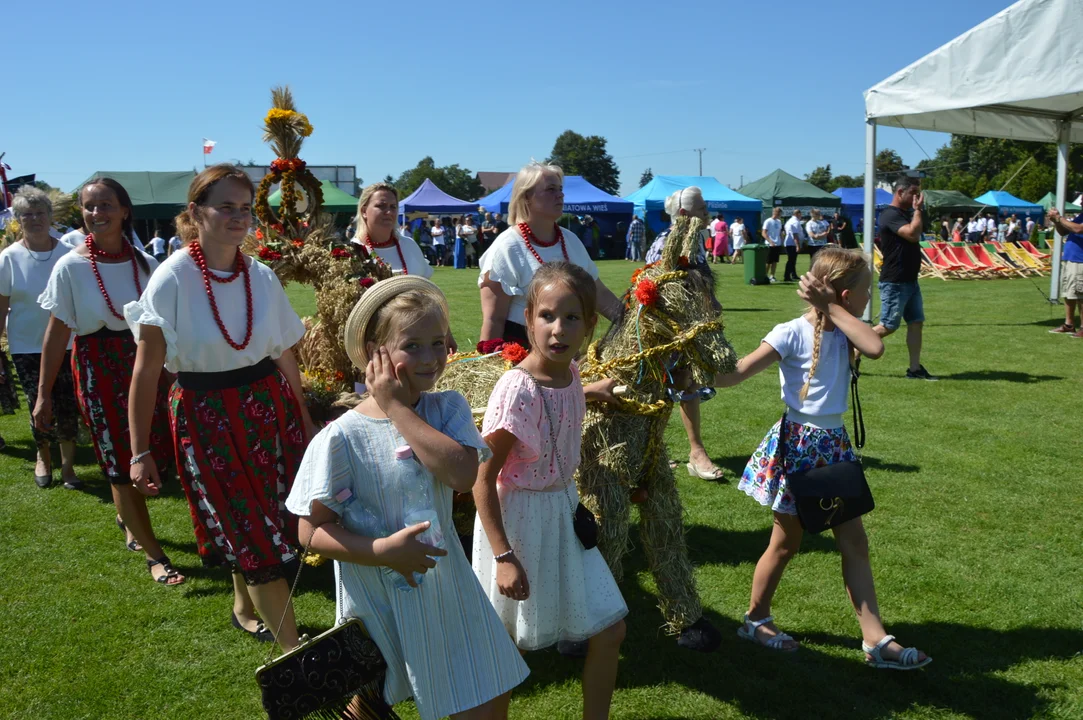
[669,329]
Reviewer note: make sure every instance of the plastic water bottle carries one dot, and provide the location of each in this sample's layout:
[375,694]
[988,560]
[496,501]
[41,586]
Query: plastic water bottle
[359,519]
[418,504]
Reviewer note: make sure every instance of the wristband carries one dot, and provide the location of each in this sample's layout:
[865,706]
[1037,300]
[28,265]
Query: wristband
[136,459]
[503,555]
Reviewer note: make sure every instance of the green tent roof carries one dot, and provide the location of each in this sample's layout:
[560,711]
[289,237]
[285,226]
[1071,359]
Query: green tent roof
[334,200]
[948,200]
[155,195]
[1050,200]
[781,188]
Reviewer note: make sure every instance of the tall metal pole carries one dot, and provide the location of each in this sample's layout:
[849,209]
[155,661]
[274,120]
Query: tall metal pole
[700,151]
[869,221]
[1063,142]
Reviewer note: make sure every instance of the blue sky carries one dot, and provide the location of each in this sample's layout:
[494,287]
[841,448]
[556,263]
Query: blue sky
[488,85]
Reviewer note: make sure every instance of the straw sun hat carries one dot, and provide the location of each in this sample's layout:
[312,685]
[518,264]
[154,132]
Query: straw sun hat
[372,300]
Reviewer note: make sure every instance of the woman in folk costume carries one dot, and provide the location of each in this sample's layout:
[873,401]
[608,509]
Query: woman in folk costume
[85,295]
[223,323]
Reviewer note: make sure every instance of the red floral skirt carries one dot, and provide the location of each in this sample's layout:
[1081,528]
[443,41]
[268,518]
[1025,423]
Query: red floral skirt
[238,451]
[101,366]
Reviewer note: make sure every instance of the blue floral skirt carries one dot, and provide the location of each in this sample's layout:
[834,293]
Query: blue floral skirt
[807,447]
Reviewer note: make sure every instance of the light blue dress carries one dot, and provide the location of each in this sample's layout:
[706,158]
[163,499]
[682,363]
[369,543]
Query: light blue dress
[443,642]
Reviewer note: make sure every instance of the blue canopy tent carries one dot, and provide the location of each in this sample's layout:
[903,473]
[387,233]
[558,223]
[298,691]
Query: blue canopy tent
[580,198]
[650,200]
[431,200]
[1008,204]
[853,202]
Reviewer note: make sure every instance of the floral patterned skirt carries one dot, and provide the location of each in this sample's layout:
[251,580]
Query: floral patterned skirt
[65,409]
[807,447]
[238,451]
[9,395]
[101,366]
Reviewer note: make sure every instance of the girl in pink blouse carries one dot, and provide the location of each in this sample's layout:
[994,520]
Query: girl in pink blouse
[545,586]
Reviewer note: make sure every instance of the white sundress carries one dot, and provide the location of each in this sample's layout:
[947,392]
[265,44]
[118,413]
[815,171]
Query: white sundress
[443,643]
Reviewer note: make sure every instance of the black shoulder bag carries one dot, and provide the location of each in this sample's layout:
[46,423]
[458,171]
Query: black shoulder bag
[830,495]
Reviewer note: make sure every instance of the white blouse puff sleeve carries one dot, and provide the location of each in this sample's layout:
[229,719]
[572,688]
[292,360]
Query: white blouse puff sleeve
[176,301]
[509,262]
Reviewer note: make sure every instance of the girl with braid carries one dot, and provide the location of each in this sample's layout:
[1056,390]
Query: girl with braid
[813,353]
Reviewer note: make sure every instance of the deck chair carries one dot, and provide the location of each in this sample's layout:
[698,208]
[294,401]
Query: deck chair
[987,254]
[1029,247]
[981,259]
[1008,259]
[1022,257]
[944,264]
[959,257]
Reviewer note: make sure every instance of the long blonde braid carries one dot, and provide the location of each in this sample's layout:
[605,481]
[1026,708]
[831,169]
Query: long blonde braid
[843,270]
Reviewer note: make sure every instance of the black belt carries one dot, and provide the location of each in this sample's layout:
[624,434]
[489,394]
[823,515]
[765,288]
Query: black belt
[203,381]
[105,332]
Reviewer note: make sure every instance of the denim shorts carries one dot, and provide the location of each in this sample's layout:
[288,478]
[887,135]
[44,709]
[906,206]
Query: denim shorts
[900,301]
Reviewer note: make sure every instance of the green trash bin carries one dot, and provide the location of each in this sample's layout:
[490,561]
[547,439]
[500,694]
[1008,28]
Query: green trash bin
[755,264]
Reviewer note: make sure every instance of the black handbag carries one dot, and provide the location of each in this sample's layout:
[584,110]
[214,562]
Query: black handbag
[830,495]
[319,678]
[583,521]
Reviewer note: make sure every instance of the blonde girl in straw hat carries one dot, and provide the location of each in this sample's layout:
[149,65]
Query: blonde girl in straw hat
[813,354]
[363,480]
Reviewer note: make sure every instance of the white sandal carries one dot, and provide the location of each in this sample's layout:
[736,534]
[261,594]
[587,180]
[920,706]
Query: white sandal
[748,632]
[908,658]
[712,473]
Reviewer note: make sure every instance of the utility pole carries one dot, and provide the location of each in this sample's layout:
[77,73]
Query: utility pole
[700,151]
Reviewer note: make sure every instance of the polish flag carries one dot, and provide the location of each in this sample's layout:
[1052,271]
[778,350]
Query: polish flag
[208,145]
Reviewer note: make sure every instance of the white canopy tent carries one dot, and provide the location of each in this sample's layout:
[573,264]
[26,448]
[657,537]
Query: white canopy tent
[1018,75]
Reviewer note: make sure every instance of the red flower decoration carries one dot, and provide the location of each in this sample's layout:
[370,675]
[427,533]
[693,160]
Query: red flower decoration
[367,282]
[490,346]
[259,234]
[514,353]
[266,253]
[340,376]
[278,164]
[340,253]
[277,227]
[647,292]
[298,243]
[682,261]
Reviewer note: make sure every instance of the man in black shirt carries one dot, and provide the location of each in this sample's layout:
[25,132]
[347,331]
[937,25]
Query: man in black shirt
[901,225]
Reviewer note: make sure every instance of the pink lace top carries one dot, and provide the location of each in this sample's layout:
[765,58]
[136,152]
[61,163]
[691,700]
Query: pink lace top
[516,406]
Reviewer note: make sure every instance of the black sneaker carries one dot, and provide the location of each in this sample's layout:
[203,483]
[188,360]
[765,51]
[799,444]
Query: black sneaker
[920,374]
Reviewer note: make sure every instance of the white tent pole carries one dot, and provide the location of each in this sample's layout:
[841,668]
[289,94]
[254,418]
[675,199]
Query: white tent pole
[870,203]
[1063,142]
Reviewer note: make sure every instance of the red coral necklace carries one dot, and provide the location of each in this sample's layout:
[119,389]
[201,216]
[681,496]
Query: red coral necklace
[394,241]
[127,253]
[240,267]
[531,240]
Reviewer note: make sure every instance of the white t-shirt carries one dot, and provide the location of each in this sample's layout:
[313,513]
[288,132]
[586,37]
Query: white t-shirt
[1030,228]
[416,264]
[74,238]
[990,225]
[176,301]
[175,243]
[827,394]
[438,235]
[72,294]
[975,226]
[817,226]
[772,228]
[794,232]
[509,262]
[23,276]
[157,245]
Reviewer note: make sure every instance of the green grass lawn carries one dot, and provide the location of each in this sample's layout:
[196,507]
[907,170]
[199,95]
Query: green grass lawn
[975,545]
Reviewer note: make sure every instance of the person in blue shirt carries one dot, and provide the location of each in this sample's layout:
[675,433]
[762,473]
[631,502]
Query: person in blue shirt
[1071,269]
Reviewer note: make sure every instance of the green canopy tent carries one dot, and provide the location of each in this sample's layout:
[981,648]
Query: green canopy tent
[334,200]
[1050,200]
[780,189]
[951,202]
[155,195]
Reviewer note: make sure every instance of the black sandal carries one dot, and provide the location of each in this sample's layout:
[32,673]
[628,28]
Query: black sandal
[261,633]
[170,573]
[131,545]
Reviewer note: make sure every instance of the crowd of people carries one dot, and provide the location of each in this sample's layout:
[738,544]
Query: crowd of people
[107,331]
